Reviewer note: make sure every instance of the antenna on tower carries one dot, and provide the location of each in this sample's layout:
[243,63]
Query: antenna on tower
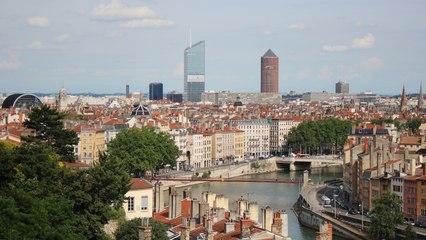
[190,38]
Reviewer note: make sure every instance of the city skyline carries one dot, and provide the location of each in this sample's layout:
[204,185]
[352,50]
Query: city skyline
[103,45]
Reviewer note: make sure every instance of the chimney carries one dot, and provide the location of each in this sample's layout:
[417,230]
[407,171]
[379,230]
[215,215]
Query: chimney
[254,211]
[145,230]
[222,202]
[305,178]
[185,229]
[277,224]
[374,129]
[204,209]
[284,220]
[242,206]
[192,224]
[245,227]
[267,218]
[229,226]
[186,207]
[172,201]
[379,164]
[220,214]
[413,167]
[158,197]
[195,209]
[187,193]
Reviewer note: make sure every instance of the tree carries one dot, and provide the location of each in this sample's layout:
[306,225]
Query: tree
[39,199]
[129,230]
[50,130]
[409,233]
[386,214]
[324,136]
[143,149]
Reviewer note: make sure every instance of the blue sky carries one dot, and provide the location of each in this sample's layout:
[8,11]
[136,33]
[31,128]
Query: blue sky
[102,45]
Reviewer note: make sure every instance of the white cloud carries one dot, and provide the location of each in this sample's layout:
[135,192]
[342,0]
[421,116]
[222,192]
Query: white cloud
[148,23]
[117,10]
[114,34]
[296,26]
[365,42]
[372,63]
[334,48]
[35,45]
[11,63]
[358,43]
[179,71]
[39,21]
[62,38]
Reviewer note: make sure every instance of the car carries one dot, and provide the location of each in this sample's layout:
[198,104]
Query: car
[352,211]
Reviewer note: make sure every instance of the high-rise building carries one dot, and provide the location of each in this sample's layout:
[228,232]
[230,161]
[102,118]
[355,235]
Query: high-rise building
[62,100]
[269,64]
[342,87]
[155,91]
[127,91]
[194,73]
[174,96]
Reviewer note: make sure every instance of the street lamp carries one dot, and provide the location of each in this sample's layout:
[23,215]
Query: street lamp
[335,209]
[362,215]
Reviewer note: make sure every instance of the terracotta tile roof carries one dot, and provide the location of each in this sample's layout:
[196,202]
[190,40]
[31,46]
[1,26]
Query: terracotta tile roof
[411,140]
[138,183]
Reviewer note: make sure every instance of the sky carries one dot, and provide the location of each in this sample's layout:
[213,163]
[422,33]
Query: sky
[100,46]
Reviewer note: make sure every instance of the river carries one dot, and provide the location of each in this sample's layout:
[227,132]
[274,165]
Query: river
[278,196]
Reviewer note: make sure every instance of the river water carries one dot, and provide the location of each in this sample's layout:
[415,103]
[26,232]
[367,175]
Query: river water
[279,196]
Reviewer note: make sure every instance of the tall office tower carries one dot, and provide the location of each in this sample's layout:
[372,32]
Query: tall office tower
[342,87]
[127,91]
[194,73]
[269,72]
[155,91]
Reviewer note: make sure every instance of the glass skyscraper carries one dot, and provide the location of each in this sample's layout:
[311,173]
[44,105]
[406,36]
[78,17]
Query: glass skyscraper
[155,91]
[194,75]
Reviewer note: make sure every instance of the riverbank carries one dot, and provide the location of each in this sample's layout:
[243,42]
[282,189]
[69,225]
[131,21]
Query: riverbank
[225,171]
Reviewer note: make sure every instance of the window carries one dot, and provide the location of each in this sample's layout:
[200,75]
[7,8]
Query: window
[144,204]
[131,204]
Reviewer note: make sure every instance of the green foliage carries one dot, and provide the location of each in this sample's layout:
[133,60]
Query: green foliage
[129,230]
[322,136]
[143,149]
[413,125]
[206,174]
[41,200]
[386,215]
[409,233]
[50,130]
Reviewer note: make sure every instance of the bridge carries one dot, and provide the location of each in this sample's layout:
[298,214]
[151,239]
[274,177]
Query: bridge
[296,163]
[198,179]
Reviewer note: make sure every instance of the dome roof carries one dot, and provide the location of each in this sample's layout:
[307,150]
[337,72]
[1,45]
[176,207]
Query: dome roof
[20,100]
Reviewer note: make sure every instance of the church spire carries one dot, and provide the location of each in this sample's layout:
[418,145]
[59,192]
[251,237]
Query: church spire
[403,99]
[420,102]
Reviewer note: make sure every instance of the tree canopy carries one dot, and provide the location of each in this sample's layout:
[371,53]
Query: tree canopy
[323,136]
[143,149]
[40,199]
[129,230]
[49,127]
[386,214]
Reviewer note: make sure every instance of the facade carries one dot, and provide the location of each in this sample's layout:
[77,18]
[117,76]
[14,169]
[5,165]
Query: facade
[207,150]
[342,87]
[410,197]
[194,72]
[92,142]
[180,136]
[195,148]
[175,97]
[256,136]
[245,98]
[139,199]
[155,91]
[269,64]
[278,132]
